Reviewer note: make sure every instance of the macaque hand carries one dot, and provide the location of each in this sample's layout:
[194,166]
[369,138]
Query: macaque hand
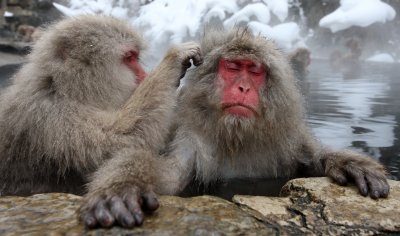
[368,175]
[122,204]
[185,53]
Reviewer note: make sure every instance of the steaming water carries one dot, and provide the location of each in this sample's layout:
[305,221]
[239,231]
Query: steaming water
[356,107]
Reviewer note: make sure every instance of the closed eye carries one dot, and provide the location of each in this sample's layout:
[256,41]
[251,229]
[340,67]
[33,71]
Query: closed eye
[232,66]
[131,56]
[255,70]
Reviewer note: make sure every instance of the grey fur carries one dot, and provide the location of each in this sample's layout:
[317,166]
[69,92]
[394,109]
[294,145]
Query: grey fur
[74,105]
[275,143]
[211,146]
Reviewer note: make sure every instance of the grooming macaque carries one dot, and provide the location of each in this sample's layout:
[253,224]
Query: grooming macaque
[300,59]
[239,115]
[83,97]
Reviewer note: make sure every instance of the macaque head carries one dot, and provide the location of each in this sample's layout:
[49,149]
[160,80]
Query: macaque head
[244,87]
[241,80]
[91,58]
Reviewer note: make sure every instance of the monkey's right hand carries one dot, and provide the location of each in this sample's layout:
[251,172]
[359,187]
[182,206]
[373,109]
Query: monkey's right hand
[122,204]
[184,53]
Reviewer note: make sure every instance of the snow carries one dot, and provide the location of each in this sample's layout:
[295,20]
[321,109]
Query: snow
[382,57]
[285,35]
[8,14]
[121,9]
[357,13]
[278,7]
[165,22]
[258,11]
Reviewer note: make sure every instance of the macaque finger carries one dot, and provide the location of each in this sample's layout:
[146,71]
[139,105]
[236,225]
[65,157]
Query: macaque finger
[89,219]
[359,178]
[103,215]
[378,187]
[150,201]
[197,59]
[338,176]
[121,213]
[386,189]
[133,203]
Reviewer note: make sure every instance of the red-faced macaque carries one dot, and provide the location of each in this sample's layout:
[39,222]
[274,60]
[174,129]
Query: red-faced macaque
[239,115]
[300,60]
[82,97]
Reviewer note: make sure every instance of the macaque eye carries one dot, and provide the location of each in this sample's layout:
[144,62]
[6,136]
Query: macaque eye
[256,70]
[131,56]
[232,66]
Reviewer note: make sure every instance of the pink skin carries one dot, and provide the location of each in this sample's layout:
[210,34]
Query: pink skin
[131,59]
[242,79]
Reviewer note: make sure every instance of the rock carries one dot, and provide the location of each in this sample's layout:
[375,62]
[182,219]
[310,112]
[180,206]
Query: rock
[312,206]
[318,206]
[56,213]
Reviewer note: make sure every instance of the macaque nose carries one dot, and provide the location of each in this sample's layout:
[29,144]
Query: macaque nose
[244,87]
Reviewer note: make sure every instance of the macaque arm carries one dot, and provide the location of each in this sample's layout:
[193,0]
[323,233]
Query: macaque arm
[153,101]
[120,197]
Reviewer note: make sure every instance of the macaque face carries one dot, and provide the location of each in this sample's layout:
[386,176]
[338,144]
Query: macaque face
[242,80]
[131,59]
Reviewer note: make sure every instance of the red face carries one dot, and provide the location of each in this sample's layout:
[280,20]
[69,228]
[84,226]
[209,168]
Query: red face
[242,80]
[131,59]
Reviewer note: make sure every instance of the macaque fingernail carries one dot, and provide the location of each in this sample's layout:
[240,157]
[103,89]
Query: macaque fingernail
[128,222]
[139,218]
[90,222]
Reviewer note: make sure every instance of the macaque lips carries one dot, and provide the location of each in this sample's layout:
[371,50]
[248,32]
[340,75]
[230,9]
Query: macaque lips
[240,110]
[242,80]
[131,59]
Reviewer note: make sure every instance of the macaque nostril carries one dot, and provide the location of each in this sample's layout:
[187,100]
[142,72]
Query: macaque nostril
[244,89]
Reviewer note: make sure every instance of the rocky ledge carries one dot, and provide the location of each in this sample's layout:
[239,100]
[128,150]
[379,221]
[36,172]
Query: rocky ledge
[312,206]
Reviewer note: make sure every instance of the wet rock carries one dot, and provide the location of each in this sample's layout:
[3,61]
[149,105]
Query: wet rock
[312,206]
[56,213]
[318,206]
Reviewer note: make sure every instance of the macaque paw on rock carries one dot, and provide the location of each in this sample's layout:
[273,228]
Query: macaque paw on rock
[124,204]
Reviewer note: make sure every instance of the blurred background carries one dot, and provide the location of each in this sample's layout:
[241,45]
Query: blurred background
[349,75]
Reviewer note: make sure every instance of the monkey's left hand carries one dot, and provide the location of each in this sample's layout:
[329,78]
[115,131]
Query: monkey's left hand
[368,175]
[123,204]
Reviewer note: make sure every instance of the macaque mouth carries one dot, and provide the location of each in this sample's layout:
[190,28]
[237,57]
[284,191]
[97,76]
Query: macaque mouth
[239,109]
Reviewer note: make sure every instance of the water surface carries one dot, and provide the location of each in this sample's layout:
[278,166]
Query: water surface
[356,107]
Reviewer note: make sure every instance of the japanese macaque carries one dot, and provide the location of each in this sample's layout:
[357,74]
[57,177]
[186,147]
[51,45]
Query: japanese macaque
[83,97]
[350,57]
[300,59]
[239,115]
[25,32]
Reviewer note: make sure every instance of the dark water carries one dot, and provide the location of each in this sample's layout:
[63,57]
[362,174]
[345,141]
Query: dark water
[357,107]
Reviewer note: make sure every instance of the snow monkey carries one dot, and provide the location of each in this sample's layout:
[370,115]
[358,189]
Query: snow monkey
[238,115]
[82,97]
[300,59]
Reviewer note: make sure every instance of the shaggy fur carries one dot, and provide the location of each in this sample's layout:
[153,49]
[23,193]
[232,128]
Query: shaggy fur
[210,146]
[275,143]
[75,105]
